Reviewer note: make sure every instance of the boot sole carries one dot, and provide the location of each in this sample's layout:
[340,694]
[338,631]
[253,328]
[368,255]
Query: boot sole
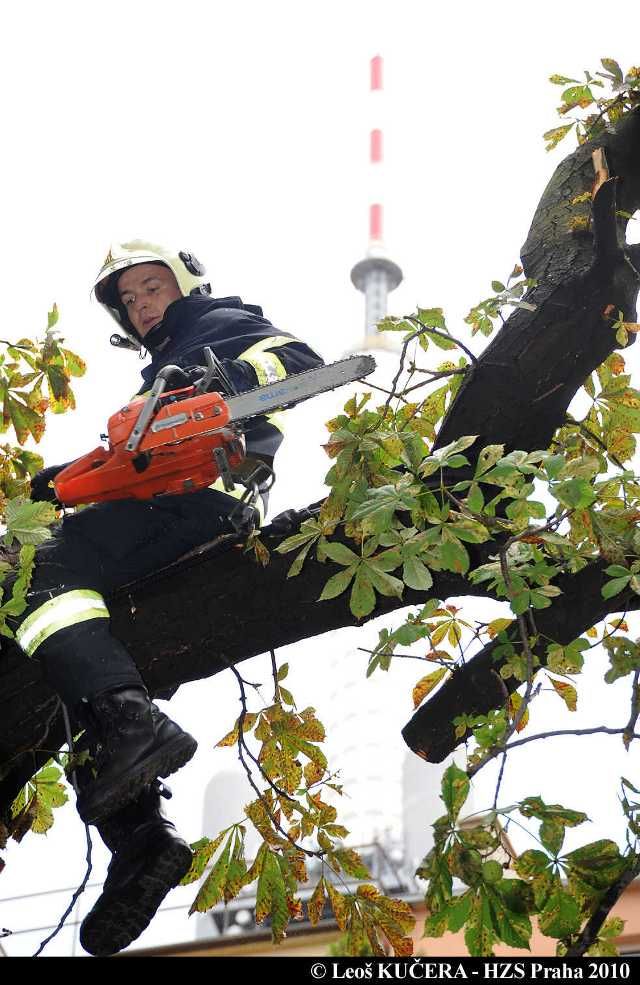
[105,801]
[117,920]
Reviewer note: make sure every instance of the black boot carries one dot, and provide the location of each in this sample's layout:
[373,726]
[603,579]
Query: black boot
[149,859]
[132,746]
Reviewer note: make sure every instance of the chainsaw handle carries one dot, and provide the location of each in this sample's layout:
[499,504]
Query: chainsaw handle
[150,405]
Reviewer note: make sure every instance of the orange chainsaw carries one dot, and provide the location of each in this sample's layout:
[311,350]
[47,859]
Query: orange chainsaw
[178,441]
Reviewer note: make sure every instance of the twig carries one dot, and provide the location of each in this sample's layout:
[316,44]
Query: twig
[14,345]
[585,432]
[548,735]
[524,638]
[274,669]
[81,888]
[414,335]
[635,709]
[410,656]
[403,353]
[504,753]
[241,742]
[442,335]
[605,730]
[434,376]
[242,746]
[620,98]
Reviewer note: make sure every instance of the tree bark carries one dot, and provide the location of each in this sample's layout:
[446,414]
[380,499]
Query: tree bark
[190,621]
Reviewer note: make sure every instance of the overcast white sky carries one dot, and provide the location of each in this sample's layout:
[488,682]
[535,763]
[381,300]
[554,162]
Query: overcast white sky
[240,131]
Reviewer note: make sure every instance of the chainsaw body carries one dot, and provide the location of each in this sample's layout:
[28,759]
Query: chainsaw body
[184,439]
[178,452]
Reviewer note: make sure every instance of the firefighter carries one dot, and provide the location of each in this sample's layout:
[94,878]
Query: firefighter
[161,301]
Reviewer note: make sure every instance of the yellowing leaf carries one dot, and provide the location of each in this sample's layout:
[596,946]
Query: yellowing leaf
[619,624]
[616,363]
[426,684]
[567,692]
[203,850]
[231,737]
[553,137]
[515,702]
[496,626]
[338,904]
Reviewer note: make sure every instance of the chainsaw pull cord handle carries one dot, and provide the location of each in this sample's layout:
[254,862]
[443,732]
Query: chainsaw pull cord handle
[150,406]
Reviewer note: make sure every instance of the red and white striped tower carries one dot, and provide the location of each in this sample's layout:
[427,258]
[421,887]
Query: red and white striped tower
[376,275]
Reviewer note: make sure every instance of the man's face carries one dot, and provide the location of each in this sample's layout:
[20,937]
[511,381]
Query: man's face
[146,291]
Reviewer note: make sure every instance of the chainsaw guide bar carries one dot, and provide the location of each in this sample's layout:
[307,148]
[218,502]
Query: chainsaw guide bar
[294,389]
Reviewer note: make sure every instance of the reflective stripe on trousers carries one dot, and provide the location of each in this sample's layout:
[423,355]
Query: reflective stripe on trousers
[57,613]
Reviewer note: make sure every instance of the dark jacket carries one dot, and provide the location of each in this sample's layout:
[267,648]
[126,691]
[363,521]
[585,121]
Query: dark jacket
[251,350]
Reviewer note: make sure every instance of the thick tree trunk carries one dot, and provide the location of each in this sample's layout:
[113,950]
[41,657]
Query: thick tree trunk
[189,622]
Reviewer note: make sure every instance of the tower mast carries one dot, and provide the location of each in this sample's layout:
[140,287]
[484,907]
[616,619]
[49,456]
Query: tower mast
[376,275]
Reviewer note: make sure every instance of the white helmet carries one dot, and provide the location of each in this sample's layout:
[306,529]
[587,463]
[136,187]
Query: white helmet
[188,271]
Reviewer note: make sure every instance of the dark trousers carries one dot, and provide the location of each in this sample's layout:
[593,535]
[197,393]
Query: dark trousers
[92,553]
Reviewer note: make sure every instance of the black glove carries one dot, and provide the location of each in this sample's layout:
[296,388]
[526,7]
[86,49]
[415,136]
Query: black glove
[288,522]
[41,491]
[180,378]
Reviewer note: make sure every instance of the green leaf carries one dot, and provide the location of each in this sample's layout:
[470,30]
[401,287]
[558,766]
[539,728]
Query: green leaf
[561,916]
[514,925]
[27,463]
[52,317]
[611,65]
[416,575]
[386,561]
[271,897]
[453,557]
[576,494]
[299,560]
[598,864]
[475,499]
[480,932]
[536,807]
[431,317]
[338,583]
[340,553]
[566,659]
[308,533]
[543,885]
[212,888]
[497,286]
[531,863]
[617,571]
[75,366]
[455,790]
[383,582]
[470,531]
[28,522]
[25,420]
[615,586]
[578,95]
[363,597]
[552,836]
[624,656]
[458,911]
